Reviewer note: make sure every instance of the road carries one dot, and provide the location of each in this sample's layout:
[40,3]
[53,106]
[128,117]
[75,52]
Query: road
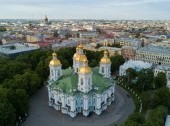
[40,114]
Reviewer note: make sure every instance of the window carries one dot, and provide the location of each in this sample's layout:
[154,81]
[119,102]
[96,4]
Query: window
[81,81]
[58,72]
[102,69]
[89,81]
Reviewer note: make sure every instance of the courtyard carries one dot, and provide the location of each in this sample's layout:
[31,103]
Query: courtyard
[40,114]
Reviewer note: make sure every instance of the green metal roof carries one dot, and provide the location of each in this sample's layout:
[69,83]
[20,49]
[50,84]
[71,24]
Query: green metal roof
[68,83]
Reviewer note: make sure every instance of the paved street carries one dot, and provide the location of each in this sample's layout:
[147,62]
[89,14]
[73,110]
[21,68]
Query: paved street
[41,114]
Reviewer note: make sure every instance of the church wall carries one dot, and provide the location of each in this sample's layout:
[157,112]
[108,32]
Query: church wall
[82,103]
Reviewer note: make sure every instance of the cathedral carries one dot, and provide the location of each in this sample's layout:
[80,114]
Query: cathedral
[81,89]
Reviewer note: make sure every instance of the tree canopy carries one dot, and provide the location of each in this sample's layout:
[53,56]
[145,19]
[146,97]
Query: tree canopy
[160,80]
[116,60]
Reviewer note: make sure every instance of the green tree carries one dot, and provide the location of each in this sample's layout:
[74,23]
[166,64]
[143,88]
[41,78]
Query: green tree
[147,100]
[135,119]
[43,71]
[93,63]
[145,79]
[98,46]
[3,74]
[7,114]
[157,116]
[161,97]
[160,80]
[131,75]
[7,111]
[94,57]
[19,99]
[116,60]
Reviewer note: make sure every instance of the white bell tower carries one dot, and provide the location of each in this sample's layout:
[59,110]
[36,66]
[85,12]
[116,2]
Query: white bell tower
[55,68]
[85,77]
[105,65]
[78,58]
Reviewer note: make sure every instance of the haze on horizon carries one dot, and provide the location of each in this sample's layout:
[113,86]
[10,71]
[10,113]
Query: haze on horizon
[85,9]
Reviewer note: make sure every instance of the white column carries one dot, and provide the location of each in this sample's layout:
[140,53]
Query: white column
[98,106]
[63,101]
[85,103]
[49,93]
[73,104]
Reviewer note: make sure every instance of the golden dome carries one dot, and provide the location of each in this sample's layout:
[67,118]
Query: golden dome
[55,62]
[75,56]
[80,46]
[80,57]
[85,70]
[105,60]
[54,54]
[105,52]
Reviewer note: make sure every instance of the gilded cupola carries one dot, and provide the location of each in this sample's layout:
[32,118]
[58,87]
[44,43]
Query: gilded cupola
[85,69]
[55,62]
[105,59]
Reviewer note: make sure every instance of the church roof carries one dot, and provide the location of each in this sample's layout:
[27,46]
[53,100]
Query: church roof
[68,83]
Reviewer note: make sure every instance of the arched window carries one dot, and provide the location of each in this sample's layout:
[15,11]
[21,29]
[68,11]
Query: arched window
[102,69]
[81,81]
[58,72]
[89,81]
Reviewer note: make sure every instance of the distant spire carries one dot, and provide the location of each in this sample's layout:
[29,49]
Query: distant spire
[46,19]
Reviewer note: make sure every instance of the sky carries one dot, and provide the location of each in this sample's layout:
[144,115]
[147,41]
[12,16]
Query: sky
[86,9]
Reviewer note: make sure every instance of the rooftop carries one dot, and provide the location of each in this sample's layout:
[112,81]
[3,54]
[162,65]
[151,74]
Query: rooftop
[109,48]
[155,49]
[16,48]
[161,67]
[125,47]
[68,83]
[137,65]
[130,40]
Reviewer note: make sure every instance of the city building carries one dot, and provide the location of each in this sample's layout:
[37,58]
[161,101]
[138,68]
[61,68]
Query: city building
[81,89]
[136,65]
[91,36]
[154,54]
[164,43]
[112,50]
[33,38]
[130,42]
[167,122]
[128,52]
[64,43]
[12,50]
